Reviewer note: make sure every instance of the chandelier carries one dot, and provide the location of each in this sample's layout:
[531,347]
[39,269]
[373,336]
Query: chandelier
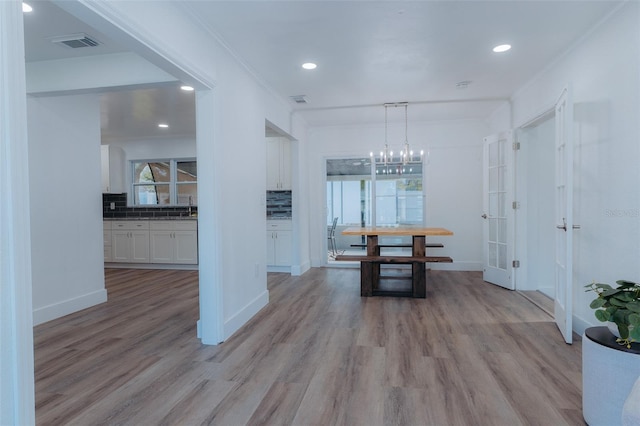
[404,159]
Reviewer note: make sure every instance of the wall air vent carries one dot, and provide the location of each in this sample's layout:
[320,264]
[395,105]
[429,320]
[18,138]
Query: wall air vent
[299,99]
[75,41]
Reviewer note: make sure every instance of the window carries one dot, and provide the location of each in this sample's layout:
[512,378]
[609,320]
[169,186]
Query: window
[398,196]
[164,182]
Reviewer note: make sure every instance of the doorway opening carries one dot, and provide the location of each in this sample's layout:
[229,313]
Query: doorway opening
[536,187]
[359,195]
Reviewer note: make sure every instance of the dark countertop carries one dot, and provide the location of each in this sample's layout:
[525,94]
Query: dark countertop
[152,218]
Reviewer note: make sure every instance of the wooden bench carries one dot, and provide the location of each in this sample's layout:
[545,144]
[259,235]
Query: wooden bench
[427,245]
[395,259]
[370,273]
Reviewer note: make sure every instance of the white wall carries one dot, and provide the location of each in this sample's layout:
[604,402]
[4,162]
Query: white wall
[66,205]
[604,74]
[231,211]
[91,72]
[453,179]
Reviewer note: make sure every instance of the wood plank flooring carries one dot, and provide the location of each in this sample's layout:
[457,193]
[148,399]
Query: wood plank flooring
[469,354]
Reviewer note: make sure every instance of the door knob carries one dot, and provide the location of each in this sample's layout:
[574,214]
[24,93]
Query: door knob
[484,216]
[563,226]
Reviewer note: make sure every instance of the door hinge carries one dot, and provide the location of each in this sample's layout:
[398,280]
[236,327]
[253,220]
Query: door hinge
[515,263]
[515,205]
[516,146]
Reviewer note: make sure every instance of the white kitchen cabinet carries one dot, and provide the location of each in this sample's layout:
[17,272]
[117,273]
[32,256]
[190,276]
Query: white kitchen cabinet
[112,162]
[279,243]
[278,164]
[106,239]
[130,241]
[173,241]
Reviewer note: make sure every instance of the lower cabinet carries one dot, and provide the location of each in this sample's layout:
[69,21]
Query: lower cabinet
[279,242]
[151,241]
[130,241]
[106,238]
[173,241]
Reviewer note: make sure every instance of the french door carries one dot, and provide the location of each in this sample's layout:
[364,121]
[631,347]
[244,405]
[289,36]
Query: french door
[563,309]
[497,227]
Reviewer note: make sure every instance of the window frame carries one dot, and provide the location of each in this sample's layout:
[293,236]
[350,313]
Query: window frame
[173,183]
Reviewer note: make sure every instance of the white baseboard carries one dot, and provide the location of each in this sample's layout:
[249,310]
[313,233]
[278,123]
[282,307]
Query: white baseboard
[286,269]
[298,270]
[580,325]
[456,266]
[245,314]
[66,307]
[113,265]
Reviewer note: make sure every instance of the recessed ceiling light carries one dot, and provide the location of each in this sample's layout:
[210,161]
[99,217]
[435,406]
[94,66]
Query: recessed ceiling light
[502,48]
[309,66]
[163,125]
[187,88]
[26,8]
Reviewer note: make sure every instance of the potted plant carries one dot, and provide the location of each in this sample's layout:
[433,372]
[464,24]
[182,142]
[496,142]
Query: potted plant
[620,305]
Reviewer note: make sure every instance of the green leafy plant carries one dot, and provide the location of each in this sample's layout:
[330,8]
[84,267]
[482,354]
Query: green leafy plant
[620,305]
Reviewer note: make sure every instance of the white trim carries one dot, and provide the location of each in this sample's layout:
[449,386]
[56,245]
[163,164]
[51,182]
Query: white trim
[147,44]
[17,400]
[274,268]
[298,270]
[169,266]
[69,306]
[209,225]
[234,323]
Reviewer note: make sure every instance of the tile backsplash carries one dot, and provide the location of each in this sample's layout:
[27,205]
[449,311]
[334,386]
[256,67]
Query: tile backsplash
[122,211]
[279,205]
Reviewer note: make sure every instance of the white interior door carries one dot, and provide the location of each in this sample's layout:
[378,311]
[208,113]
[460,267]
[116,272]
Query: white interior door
[564,215]
[498,213]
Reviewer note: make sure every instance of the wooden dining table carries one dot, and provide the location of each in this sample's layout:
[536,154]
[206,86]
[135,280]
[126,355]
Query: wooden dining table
[370,263]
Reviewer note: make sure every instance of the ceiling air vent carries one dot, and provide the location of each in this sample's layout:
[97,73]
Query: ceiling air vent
[75,41]
[299,99]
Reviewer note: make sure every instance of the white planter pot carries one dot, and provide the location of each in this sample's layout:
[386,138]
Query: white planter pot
[608,375]
[613,328]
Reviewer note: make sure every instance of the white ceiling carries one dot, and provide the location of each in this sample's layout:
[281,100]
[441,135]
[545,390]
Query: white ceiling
[371,52]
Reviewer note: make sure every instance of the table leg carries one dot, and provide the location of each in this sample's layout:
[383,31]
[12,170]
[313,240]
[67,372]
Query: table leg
[374,250]
[418,280]
[419,242]
[418,275]
[366,279]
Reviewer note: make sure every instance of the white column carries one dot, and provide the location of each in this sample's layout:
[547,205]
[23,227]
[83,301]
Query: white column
[16,322]
[210,180]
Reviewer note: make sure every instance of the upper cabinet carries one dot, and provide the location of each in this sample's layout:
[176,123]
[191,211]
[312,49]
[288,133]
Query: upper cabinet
[278,164]
[112,169]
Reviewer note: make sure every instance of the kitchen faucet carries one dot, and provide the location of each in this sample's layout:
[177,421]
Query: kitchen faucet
[190,202]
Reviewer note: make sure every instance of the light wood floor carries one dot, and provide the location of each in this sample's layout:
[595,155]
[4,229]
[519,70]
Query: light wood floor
[469,354]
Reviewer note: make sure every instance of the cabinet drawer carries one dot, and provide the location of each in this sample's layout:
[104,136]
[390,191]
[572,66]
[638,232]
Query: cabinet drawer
[173,225]
[130,225]
[279,225]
